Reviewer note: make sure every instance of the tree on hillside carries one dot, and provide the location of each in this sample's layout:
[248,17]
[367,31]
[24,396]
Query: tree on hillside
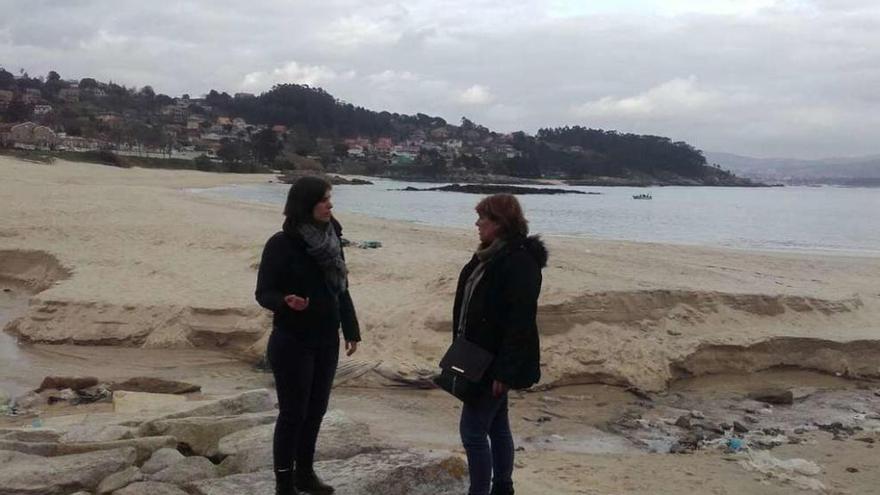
[88,83]
[53,85]
[232,151]
[7,80]
[431,162]
[18,110]
[266,146]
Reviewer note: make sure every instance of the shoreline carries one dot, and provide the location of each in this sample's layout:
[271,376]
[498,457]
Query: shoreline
[815,250]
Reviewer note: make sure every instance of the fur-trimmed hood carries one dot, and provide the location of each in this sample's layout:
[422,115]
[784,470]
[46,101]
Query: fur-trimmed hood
[536,248]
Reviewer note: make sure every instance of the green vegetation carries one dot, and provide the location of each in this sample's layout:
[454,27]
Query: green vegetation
[293,126]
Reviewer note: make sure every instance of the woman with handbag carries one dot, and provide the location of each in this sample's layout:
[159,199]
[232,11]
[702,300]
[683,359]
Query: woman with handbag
[303,280]
[495,308]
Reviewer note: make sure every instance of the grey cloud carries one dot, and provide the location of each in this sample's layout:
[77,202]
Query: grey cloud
[797,79]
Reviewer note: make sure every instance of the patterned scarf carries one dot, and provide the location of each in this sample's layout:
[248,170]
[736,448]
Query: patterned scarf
[323,245]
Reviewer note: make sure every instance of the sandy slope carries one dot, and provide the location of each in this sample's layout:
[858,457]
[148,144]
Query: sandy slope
[128,256]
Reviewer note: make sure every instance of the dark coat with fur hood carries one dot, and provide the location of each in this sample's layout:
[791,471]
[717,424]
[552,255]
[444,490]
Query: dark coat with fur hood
[501,315]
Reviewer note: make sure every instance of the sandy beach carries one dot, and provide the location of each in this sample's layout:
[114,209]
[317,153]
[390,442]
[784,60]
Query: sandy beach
[94,256]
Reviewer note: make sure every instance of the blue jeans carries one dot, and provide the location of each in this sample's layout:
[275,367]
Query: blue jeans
[483,421]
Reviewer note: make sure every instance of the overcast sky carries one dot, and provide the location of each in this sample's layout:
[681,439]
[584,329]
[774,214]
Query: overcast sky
[795,78]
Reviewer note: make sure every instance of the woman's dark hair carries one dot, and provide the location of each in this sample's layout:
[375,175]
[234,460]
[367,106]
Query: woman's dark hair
[304,194]
[504,209]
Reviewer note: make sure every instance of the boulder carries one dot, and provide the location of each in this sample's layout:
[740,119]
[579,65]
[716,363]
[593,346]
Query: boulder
[144,447]
[259,483]
[125,402]
[390,472]
[252,401]
[189,469]
[11,456]
[340,438]
[64,474]
[202,434]
[31,434]
[63,382]
[151,488]
[117,481]
[155,386]
[161,459]
[397,473]
[95,432]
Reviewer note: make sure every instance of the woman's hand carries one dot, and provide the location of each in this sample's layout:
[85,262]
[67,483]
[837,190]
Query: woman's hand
[351,347]
[296,303]
[498,389]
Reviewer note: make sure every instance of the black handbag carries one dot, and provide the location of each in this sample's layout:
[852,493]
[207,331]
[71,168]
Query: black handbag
[463,368]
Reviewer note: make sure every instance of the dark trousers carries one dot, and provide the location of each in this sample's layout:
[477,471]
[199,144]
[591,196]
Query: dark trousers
[483,421]
[303,379]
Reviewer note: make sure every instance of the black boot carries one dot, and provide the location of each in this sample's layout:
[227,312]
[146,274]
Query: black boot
[284,483]
[308,481]
[502,489]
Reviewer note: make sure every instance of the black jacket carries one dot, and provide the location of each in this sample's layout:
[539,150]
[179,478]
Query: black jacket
[503,308]
[287,268]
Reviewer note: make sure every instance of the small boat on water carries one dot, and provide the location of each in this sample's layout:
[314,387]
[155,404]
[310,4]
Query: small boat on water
[642,196]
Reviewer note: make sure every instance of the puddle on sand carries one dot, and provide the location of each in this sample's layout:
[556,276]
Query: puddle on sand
[12,360]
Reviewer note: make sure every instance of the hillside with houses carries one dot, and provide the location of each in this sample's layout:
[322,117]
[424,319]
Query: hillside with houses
[296,127]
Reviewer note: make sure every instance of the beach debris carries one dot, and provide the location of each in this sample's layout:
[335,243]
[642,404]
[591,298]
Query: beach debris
[735,444]
[418,378]
[739,427]
[65,395]
[98,393]
[641,394]
[798,472]
[776,397]
[155,386]
[852,470]
[838,429]
[369,244]
[539,419]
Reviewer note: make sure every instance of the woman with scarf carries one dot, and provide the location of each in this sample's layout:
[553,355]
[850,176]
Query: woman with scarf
[303,280]
[495,308]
